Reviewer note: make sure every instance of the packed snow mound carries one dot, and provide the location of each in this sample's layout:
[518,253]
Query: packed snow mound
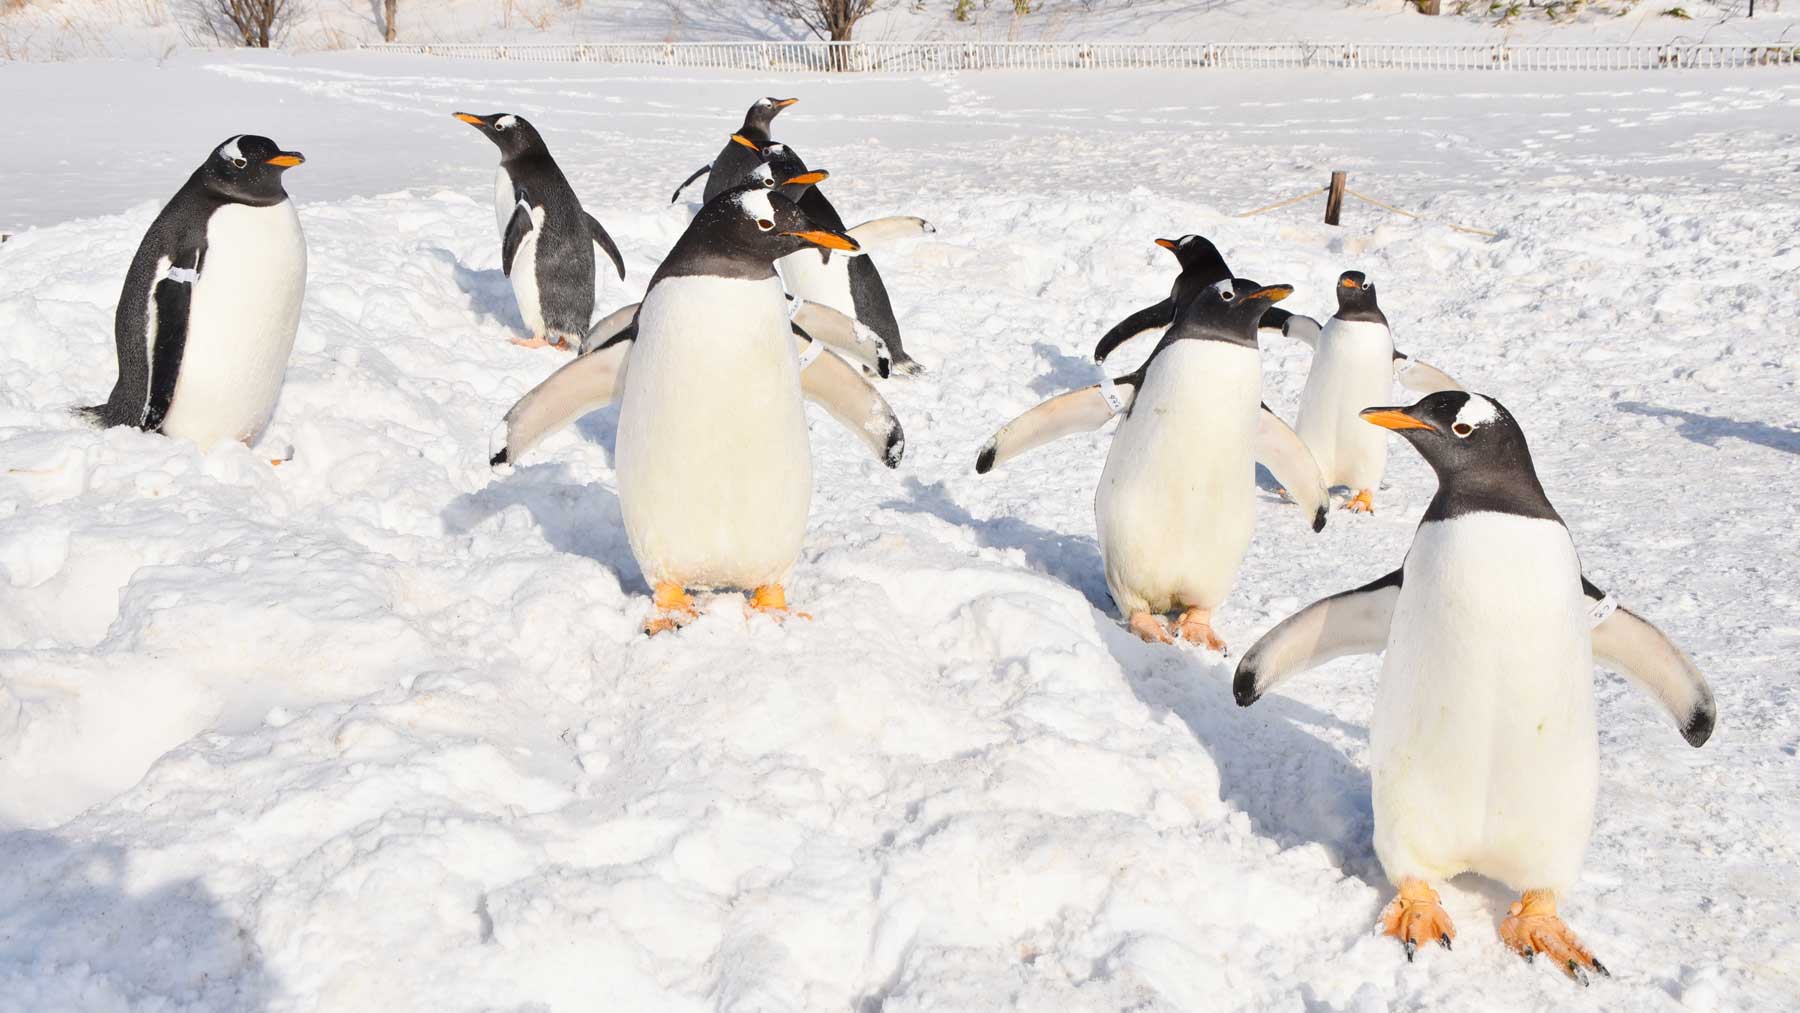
[376,728]
[75,29]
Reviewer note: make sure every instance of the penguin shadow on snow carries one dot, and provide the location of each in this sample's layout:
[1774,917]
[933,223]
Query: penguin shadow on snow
[74,902]
[1708,430]
[1072,559]
[490,292]
[1296,787]
[576,517]
[1067,372]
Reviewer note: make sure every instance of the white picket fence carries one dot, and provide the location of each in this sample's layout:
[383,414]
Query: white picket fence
[917,57]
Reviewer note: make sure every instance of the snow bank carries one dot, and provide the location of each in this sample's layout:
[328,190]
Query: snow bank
[375,729]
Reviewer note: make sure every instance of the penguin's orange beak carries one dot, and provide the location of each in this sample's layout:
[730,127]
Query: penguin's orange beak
[288,159]
[808,178]
[1393,418]
[1273,293]
[784,103]
[1167,244]
[827,240]
[746,142]
[469,118]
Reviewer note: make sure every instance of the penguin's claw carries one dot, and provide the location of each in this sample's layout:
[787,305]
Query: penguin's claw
[1414,916]
[1362,503]
[1149,628]
[771,600]
[1532,927]
[1195,626]
[674,609]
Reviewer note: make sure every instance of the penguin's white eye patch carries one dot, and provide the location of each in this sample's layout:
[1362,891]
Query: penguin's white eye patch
[506,122]
[1477,411]
[230,152]
[764,224]
[1224,290]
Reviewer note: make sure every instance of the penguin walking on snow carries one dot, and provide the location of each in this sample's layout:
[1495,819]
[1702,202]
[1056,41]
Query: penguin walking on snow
[1354,366]
[713,460]
[742,152]
[1176,503]
[547,242]
[211,303]
[1483,745]
[1202,267]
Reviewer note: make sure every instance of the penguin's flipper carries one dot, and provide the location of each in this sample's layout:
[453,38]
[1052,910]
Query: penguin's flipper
[1349,622]
[1628,644]
[517,228]
[605,242]
[839,388]
[1078,411]
[171,299]
[1422,376]
[876,231]
[1150,318]
[1302,329]
[610,326]
[854,340]
[703,170]
[591,381]
[1280,450]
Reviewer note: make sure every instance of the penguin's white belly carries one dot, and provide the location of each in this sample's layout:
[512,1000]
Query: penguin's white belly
[1352,369]
[524,277]
[241,323]
[826,284]
[715,471]
[1175,506]
[1483,742]
[504,201]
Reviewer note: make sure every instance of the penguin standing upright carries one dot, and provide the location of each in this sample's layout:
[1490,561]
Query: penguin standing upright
[1483,745]
[547,241]
[211,303]
[1202,267]
[849,284]
[713,460]
[742,152]
[1354,366]
[1176,503]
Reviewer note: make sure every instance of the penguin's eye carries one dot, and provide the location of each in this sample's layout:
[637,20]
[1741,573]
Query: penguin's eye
[1462,429]
[1227,294]
[240,162]
[1368,286]
[764,224]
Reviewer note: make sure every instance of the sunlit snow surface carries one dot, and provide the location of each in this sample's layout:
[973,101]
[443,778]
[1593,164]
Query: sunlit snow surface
[376,730]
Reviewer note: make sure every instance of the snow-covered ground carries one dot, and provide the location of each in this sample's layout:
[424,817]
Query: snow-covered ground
[73,29]
[376,730]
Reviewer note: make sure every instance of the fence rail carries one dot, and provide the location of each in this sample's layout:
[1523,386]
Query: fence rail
[916,57]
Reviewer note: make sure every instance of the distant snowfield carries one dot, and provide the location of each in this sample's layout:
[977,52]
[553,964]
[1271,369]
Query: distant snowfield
[376,730]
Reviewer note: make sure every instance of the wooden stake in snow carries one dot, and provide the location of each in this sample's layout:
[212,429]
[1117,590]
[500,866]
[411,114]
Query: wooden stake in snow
[1334,197]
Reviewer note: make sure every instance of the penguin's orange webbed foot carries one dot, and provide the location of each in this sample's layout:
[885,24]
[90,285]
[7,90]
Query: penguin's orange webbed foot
[1362,503]
[1415,917]
[771,600]
[674,609]
[535,341]
[1195,626]
[1149,628]
[1531,927]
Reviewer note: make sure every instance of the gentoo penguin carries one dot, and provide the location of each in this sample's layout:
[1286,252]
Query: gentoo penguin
[547,241]
[850,285]
[1202,267]
[713,460]
[1176,502]
[1354,366]
[742,151]
[212,300]
[1483,743]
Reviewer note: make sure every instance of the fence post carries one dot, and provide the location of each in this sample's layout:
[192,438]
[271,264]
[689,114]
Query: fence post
[1334,200]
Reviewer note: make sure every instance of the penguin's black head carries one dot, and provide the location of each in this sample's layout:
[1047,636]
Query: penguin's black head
[763,112]
[513,135]
[1356,298]
[247,169]
[1458,433]
[1229,310]
[1197,254]
[765,223]
[783,171]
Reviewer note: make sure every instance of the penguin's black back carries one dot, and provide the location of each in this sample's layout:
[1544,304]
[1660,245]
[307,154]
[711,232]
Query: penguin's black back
[736,162]
[564,260]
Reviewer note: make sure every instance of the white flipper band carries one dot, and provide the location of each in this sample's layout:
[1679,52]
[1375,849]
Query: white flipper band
[1601,609]
[1110,394]
[808,351]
